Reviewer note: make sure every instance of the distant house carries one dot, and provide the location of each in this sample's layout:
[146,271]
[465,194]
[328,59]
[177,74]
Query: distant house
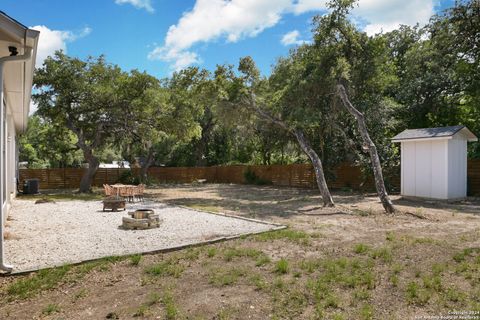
[434,162]
[18,48]
[115,164]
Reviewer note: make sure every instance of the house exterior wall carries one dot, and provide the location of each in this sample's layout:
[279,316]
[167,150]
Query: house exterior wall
[8,163]
[424,169]
[3,159]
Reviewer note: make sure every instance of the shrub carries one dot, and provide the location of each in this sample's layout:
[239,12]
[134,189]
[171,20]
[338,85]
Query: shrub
[128,177]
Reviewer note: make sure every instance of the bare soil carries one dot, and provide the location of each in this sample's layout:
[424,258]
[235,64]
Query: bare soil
[347,262]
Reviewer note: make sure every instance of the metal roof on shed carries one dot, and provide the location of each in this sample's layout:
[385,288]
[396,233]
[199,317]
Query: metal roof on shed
[430,133]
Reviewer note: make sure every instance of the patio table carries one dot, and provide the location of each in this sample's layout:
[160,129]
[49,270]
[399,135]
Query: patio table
[124,190]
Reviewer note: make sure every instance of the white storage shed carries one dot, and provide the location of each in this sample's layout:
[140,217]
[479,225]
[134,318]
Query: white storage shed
[434,162]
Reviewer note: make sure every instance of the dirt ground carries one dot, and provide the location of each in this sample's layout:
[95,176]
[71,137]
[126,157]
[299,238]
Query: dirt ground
[347,262]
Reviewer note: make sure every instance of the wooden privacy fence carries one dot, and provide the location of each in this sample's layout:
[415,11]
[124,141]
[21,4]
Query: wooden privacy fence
[293,175]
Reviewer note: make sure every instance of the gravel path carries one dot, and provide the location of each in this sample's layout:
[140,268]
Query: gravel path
[54,234]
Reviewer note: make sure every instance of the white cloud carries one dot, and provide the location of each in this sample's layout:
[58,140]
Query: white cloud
[388,15]
[178,59]
[139,4]
[234,20]
[53,40]
[302,6]
[292,38]
[210,20]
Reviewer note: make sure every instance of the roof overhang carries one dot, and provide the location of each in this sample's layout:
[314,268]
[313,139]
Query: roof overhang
[18,75]
[465,132]
[469,135]
[422,139]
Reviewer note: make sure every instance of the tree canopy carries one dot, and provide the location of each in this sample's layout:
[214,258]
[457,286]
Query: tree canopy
[91,110]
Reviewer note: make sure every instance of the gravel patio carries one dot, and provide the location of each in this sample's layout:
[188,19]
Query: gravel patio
[54,234]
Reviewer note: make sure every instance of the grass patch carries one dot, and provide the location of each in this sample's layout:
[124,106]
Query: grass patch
[417,295]
[462,255]
[361,295]
[262,260]
[211,252]
[309,266]
[366,312]
[171,310]
[383,253]
[296,236]
[390,236]
[82,293]
[282,266]
[42,280]
[288,302]
[141,311]
[226,277]
[47,279]
[152,299]
[361,248]
[170,267]
[259,282]
[231,253]
[64,196]
[135,259]
[51,308]
[349,273]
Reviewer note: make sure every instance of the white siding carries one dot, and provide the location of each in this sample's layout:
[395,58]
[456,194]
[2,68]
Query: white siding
[435,168]
[439,166]
[11,159]
[408,169]
[424,168]
[457,168]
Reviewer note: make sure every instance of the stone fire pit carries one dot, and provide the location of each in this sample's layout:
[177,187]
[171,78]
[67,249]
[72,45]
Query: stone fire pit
[141,219]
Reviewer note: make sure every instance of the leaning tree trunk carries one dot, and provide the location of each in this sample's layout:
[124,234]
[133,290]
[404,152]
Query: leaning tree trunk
[87,178]
[305,145]
[317,165]
[372,149]
[146,165]
[93,163]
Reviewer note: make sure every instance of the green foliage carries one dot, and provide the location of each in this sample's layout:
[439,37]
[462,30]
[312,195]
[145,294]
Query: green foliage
[408,78]
[47,144]
[128,177]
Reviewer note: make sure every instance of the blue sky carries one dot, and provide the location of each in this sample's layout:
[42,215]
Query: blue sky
[161,36]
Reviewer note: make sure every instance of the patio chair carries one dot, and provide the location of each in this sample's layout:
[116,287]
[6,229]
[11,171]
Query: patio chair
[140,190]
[108,190]
[127,193]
